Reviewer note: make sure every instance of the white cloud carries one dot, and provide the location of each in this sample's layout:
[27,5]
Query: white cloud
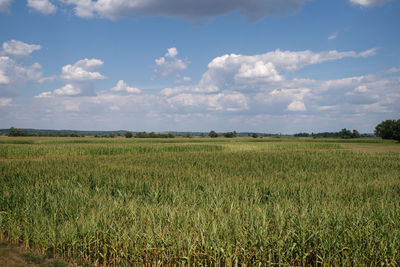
[122,86]
[189,89]
[18,48]
[251,72]
[79,79]
[13,75]
[296,106]
[81,71]
[3,78]
[67,90]
[5,5]
[192,9]
[172,52]
[369,3]
[44,95]
[394,70]
[216,102]
[5,101]
[169,63]
[368,53]
[43,6]
[258,71]
[333,36]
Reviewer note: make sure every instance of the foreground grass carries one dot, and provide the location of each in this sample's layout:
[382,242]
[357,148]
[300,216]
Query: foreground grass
[201,201]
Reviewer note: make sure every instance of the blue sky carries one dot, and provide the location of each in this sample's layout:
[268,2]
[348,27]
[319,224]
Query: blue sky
[278,66]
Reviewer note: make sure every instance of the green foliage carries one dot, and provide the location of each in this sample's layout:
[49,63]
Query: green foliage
[355,134]
[301,135]
[254,135]
[230,134]
[128,135]
[15,132]
[345,134]
[153,135]
[212,134]
[388,129]
[245,201]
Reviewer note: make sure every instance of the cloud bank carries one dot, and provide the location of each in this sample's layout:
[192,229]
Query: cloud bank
[191,9]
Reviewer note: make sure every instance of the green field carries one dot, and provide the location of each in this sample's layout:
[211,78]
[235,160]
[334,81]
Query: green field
[203,201]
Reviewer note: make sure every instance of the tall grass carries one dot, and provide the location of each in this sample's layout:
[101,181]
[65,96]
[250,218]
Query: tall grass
[211,203]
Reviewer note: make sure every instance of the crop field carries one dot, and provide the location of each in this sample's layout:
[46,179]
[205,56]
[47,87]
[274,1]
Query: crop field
[202,201]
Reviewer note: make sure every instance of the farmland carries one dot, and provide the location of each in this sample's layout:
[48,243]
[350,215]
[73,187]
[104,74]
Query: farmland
[203,201]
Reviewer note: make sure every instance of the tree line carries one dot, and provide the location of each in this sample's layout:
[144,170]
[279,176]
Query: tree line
[388,129]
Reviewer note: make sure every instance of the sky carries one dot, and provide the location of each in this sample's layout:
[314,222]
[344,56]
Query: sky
[273,66]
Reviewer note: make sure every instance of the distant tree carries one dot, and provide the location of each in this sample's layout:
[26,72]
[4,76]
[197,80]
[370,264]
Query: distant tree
[254,135]
[396,132]
[128,135]
[302,135]
[230,134]
[346,134]
[387,129]
[212,134]
[355,134]
[141,135]
[15,132]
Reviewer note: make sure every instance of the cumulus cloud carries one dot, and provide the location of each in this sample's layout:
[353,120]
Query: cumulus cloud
[14,75]
[248,72]
[296,106]
[43,6]
[259,85]
[258,71]
[216,102]
[5,5]
[81,71]
[67,90]
[368,3]
[123,87]
[192,9]
[5,101]
[18,48]
[79,79]
[3,78]
[169,63]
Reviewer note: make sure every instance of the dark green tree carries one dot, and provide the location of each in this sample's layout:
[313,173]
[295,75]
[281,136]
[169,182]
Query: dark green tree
[254,135]
[212,134]
[396,133]
[15,132]
[230,134]
[355,134]
[346,134]
[128,135]
[386,129]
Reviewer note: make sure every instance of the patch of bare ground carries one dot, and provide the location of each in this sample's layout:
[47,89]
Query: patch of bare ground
[14,256]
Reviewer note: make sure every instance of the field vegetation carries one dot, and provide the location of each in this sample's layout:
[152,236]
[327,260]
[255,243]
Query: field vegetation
[202,201]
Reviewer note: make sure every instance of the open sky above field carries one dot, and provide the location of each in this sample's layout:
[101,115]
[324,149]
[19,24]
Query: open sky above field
[188,65]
